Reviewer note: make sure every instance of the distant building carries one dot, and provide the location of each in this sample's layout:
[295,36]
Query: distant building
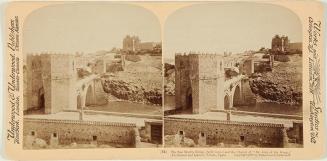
[280,43]
[147,46]
[133,43]
[297,46]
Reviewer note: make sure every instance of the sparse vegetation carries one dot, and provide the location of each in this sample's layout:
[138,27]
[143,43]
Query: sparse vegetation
[266,56]
[168,67]
[81,73]
[283,84]
[133,58]
[112,68]
[281,58]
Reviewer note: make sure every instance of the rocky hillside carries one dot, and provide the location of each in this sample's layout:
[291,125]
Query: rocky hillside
[282,85]
[140,81]
[169,80]
[132,92]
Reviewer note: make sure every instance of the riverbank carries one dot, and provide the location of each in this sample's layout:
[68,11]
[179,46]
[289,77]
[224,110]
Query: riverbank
[140,81]
[169,79]
[282,85]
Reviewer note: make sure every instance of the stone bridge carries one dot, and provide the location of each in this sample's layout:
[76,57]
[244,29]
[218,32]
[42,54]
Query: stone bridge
[51,84]
[203,83]
[89,91]
[233,93]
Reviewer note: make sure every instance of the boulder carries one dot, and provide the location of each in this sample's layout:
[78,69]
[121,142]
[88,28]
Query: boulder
[39,143]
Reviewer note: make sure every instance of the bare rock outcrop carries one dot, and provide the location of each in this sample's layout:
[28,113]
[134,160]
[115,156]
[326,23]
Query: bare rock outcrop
[274,92]
[132,92]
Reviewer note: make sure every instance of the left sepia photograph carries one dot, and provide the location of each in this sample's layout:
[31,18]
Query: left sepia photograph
[92,77]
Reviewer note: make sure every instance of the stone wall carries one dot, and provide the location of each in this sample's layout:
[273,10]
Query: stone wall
[99,66]
[81,132]
[51,78]
[211,82]
[249,98]
[182,80]
[101,97]
[199,81]
[247,67]
[230,132]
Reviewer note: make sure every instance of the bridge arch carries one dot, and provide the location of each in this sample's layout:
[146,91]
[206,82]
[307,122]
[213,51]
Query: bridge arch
[89,92]
[189,99]
[41,100]
[79,102]
[89,95]
[226,102]
[237,96]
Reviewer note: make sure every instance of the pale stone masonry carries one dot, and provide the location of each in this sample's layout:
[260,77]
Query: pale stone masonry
[50,82]
[201,83]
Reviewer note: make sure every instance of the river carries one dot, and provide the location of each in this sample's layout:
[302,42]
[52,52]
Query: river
[128,107]
[258,107]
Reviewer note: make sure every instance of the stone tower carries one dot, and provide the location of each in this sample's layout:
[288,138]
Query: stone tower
[182,81]
[50,84]
[211,82]
[199,82]
[62,79]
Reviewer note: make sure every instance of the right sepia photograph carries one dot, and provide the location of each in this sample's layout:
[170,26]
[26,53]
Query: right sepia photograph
[233,76]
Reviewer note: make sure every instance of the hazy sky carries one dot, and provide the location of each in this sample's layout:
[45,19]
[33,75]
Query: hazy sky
[87,27]
[231,27]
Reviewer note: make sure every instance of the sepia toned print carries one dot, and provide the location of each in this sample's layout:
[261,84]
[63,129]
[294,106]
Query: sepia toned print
[164,80]
[101,91]
[241,99]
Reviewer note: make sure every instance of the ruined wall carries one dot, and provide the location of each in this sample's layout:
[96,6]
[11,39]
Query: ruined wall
[81,132]
[227,131]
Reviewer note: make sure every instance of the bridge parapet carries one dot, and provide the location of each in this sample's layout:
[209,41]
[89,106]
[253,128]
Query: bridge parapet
[86,80]
[233,80]
[290,118]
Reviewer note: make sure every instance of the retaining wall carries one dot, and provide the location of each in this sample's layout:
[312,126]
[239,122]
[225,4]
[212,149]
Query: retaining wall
[260,134]
[83,132]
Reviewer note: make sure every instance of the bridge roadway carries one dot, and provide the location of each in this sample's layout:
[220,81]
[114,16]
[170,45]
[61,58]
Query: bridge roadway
[239,116]
[86,80]
[100,117]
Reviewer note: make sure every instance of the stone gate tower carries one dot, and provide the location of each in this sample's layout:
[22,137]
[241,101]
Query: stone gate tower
[50,84]
[199,82]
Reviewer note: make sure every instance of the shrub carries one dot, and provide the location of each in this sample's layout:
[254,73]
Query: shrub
[117,56]
[112,68]
[168,67]
[262,67]
[265,56]
[82,72]
[281,58]
[133,58]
